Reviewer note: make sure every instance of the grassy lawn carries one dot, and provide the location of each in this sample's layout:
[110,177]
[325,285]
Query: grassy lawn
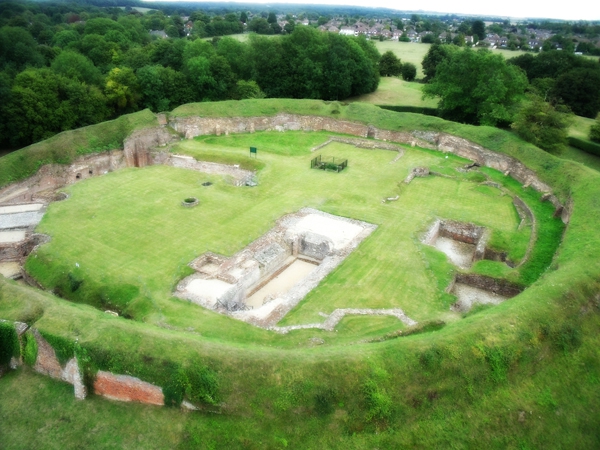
[395,91]
[127,229]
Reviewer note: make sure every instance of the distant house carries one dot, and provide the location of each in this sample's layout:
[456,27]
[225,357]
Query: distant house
[159,34]
[347,31]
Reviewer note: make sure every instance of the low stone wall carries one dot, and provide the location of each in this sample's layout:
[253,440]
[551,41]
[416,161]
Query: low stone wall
[460,231]
[190,127]
[42,185]
[237,176]
[494,285]
[127,389]
[47,364]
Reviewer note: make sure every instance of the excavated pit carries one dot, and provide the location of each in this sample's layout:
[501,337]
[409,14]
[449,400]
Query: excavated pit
[472,289]
[463,243]
[264,281]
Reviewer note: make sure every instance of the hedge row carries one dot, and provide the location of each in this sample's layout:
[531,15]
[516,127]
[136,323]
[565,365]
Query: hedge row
[587,146]
[411,109]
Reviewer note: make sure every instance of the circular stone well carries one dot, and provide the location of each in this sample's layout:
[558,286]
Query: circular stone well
[190,202]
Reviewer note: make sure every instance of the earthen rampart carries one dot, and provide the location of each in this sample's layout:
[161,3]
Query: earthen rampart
[190,127]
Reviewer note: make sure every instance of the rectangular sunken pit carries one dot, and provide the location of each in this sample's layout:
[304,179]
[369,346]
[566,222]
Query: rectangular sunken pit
[265,280]
[463,243]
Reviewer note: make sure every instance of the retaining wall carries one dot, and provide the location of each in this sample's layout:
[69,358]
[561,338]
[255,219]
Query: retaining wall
[106,384]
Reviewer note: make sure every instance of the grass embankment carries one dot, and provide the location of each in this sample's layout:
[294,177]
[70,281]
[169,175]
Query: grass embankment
[520,375]
[68,145]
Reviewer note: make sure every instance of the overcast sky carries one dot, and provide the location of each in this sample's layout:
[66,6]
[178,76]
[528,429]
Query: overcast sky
[554,9]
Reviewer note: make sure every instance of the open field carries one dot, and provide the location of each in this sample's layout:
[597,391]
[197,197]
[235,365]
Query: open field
[522,374]
[395,92]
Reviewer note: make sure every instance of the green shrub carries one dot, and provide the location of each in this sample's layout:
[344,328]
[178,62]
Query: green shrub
[499,361]
[325,400]
[431,359]
[9,343]
[379,403]
[203,384]
[175,388]
[595,130]
[30,349]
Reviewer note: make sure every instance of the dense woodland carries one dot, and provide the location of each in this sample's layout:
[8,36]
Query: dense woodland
[62,69]
[67,65]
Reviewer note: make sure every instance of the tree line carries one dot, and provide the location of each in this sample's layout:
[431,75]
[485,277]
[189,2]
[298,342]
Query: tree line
[60,72]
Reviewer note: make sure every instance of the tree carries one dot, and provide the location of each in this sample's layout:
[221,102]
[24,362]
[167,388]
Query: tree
[289,27]
[122,90]
[478,28]
[435,55]
[260,26]
[243,17]
[389,65]
[595,130]
[18,49]
[272,18]
[543,125]
[247,89]
[477,87]
[43,103]
[409,71]
[580,90]
[77,67]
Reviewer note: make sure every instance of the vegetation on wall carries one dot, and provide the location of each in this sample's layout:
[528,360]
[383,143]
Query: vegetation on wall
[9,343]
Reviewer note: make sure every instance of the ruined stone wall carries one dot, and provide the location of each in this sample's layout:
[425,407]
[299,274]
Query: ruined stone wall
[315,246]
[497,286]
[136,147]
[116,387]
[127,389]
[190,127]
[235,175]
[16,251]
[50,177]
[459,231]
[484,157]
